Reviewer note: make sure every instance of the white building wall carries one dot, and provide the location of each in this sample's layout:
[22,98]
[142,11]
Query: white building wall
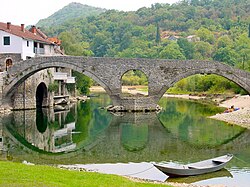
[49,49]
[27,51]
[15,43]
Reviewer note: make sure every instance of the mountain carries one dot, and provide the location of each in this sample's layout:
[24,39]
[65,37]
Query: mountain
[69,12]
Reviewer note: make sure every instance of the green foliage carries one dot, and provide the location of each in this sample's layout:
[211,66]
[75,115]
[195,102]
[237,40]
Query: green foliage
[249,30]
[69,12]
[226,55]
[158,34]
[71,45]
[134,77]
[205,35]
[205,84]
[203,50]
[187,48]
[53,87]
[172,51]
[83,83]
[224,41]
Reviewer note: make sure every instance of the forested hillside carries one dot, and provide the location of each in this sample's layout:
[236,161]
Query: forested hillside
[69,12]
[190,29]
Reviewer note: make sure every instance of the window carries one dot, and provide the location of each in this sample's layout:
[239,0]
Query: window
[8,64]
[28,44]
[6,40]
[41,45]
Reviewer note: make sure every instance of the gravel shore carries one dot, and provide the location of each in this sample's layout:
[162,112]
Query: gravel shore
[240,117]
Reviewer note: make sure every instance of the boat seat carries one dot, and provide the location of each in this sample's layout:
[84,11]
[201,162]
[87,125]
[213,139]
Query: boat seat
[195,167]
[219,161]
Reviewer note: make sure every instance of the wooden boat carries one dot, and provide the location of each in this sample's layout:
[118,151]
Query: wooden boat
[197,168]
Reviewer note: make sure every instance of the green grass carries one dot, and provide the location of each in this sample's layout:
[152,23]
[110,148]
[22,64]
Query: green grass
[143,89]
[17,174]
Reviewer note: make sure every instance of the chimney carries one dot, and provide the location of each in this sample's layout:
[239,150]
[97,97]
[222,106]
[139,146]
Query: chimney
[8,25]
[22,27]
[33,29]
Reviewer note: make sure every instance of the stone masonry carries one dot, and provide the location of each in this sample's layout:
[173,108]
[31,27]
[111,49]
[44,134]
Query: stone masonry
[161,74]
[25,95]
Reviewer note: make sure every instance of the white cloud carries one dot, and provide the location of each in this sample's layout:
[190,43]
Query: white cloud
[30,11]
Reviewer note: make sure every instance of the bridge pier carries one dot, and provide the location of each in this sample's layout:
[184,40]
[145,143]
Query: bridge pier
[132,104]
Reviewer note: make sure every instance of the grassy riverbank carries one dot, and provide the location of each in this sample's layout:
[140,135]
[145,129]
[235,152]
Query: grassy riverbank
[17,174]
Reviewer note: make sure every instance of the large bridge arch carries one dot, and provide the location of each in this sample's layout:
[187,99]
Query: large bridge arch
[239,77]
[44,63]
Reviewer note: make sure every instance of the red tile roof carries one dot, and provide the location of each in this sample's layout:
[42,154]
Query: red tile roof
[55,40]
[16,30]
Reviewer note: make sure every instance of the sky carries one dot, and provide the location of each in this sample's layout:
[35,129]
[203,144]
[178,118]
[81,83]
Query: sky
[29,12]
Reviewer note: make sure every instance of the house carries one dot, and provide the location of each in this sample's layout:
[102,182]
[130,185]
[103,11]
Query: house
[28,43]
[170,35]
[18,43]
[173,38]
[193,38]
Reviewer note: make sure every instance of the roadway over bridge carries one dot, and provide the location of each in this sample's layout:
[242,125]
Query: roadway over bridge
[162,74]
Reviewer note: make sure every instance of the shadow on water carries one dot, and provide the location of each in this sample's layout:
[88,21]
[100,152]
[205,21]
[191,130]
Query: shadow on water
[191,179]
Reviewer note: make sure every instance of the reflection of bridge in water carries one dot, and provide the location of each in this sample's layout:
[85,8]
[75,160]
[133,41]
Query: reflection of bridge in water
[148,137]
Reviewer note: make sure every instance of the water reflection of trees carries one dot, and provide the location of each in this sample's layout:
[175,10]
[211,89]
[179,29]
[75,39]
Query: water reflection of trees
[188,122]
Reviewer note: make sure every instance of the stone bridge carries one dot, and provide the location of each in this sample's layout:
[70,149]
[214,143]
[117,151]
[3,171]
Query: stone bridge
[161,74]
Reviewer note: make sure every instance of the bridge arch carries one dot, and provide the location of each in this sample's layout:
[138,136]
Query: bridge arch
[45,63]
[41,95]
[231,76]
[139,77]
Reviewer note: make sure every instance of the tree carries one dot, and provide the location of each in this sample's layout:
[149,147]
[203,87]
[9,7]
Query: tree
[226,55]
[187,47]
[101,44]
[82,82]
[249,30]
[205,35]
[158,35]
[203,50]
[224,41]
[74,47]
[242,47]
[172,51]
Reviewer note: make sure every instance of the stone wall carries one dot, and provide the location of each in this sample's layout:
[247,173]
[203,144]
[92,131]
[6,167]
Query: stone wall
[2,75]
[25,95]
[4,57]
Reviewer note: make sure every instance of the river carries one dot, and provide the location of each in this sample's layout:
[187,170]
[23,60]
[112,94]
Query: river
[87,135]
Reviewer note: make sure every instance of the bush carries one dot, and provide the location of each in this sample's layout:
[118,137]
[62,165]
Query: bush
[53,87]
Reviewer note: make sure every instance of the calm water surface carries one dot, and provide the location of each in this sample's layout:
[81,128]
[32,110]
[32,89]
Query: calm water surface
[86,135]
